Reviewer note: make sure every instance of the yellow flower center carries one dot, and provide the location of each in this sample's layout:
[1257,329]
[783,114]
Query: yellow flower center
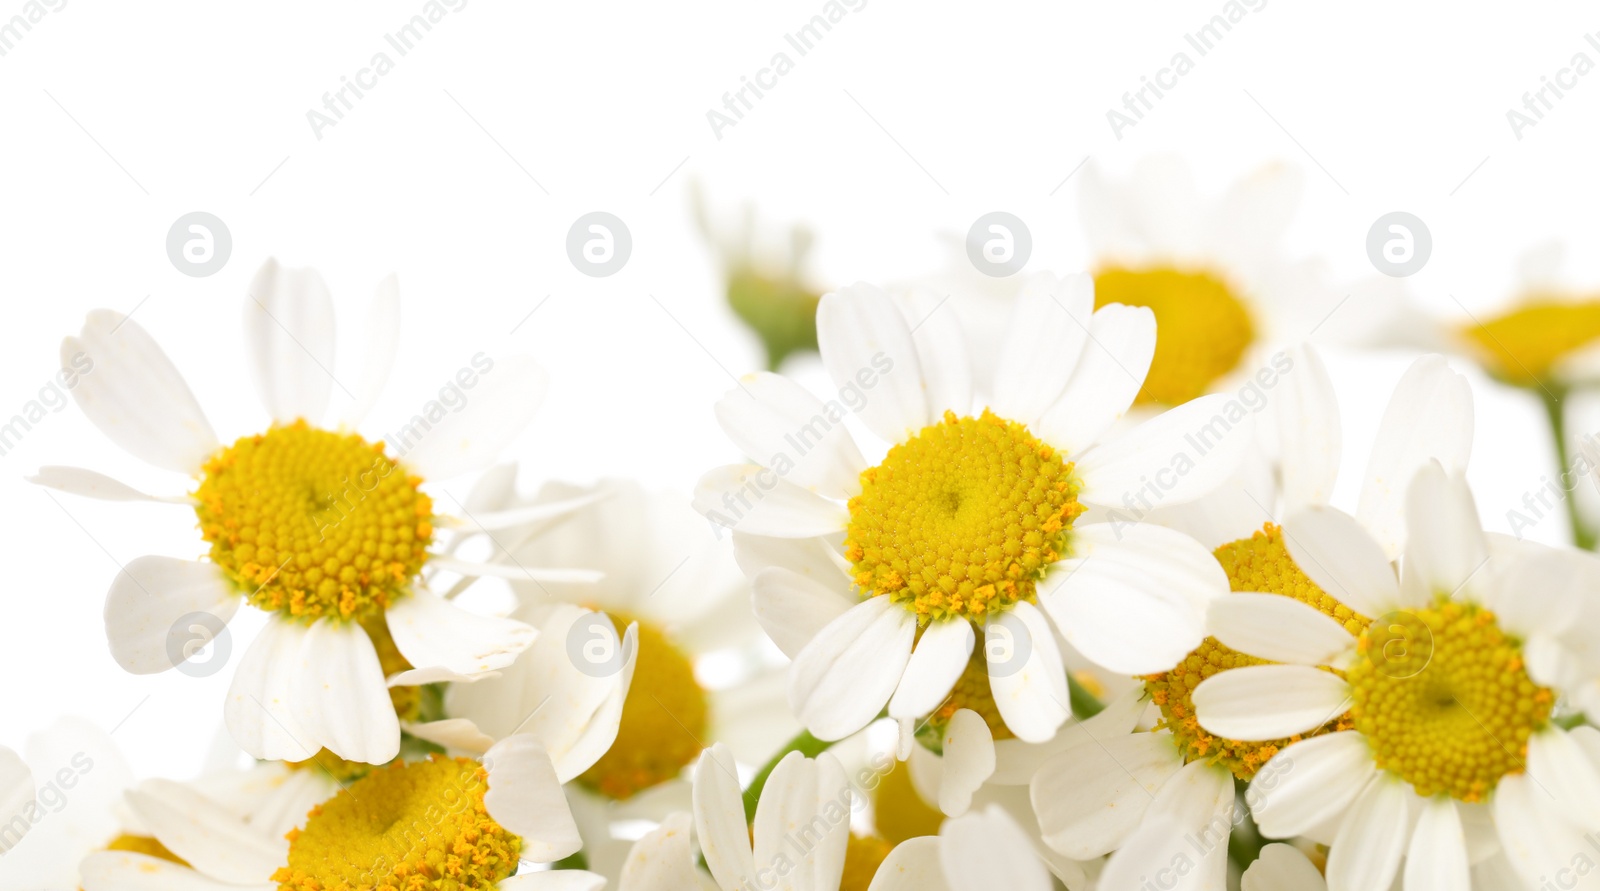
[1442,696]
[862,857]
[144,844]
[1523,345]
[1202,328]
[972,691]
[961,519]
[898,812]
[313,523]
[664,719]
[1260,563]
[412,826]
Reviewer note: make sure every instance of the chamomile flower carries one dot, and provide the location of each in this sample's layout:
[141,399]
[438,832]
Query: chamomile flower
[443,821]
[880,578]
[1446,697]
[326,530]
[1547,337]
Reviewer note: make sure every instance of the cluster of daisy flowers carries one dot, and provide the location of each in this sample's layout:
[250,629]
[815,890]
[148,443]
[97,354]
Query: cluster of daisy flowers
[1050,592]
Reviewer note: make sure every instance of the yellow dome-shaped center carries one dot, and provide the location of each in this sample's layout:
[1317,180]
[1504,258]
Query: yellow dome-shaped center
[1202,327]
[312,523]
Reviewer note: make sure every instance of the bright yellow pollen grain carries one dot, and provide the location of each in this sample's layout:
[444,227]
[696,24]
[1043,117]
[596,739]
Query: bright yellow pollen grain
[313,523]
[898,812]
[405,827]
[144,844]
[863,854]
[664,716]
[1202,328]
[1443,698]
[1260,563]
[972,691]
[1522,345]
[961,519]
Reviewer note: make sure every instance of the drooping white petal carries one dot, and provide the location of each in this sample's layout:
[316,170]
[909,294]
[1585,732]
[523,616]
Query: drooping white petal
[474,427]
[968,761]
[89,484]
[433,632]
[664,859]
[1542,592]
[259,710]
[1277,628]
[452,733]
[339,694]
[1565,771]
[1331,548]
[1091,796]
[1311,782]
[1308,430]
[525,797]
[1048,328]
[127,387]
[205,834]
[1429,418]
[793,608]
[1282,867]
[289,339]
[1189,822]
[1538,840]
[845,676]
[161,610]
[941,351]
[1115,360]
[126,871]
[1026,675]
[913,865]
[383,344]
[1446,551]
[1173,458]
[601,731]
[1371,839]
[940,657]
[1266,702]
[1437,857]
[756,500]
[777,423]
[985,850]
[813,558]
[719,820]
[803,819]
[867,348]
[1132,598]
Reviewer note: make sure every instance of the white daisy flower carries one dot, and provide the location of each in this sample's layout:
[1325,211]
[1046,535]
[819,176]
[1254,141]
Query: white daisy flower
[1547,336]
[880,579]
[324,529]
[444,819]
[1451,749]
[59,804]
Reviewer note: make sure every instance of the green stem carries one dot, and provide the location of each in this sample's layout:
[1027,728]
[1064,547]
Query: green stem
[1555,411]
[1084,703]
[805,744]
[576,861]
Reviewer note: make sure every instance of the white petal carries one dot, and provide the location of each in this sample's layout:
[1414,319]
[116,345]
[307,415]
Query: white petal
[436,674]
[1429,417]
[289,337]
[554,880]
[845,676]
[124,871]
[1133,597]
[1173,458]
[431,631]
[1558,762]
[160,610]
[259,710]
[1189,823]
[383,343]
[1043,340]
[601,731]
[940,657]
[1026,676]
[1445,545]
[1335,551]
[516,571]
[664,859]
[452,733]
[1308,430]
[128,388]
[984,850]
[803,819]
[941,352]
[1267,702]
[1310,782]
[1542,593]
[813,558]
[1116,359]
[1277,628]
[719,821]
[968,761]
[483,419]
[867,347]
[1091,796]
[89,484]
[753,499]
[339,695]
[913,865]
[525,797]
[489,521]
[1437,857]
[1282,867]
[205,834]
[775,422]
[793,608]
[1537,839]
[1371,839]
[16,789]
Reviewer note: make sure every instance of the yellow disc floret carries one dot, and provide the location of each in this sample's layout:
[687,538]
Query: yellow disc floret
[1443,698]
[405,827]
[962,519]
[664,717]
[146,845]
[862,856]
[1523,346]
[1202,328]
[898,811]
[313,523]
[1260,563]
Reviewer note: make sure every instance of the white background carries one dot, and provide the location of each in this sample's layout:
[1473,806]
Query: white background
[463,168]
